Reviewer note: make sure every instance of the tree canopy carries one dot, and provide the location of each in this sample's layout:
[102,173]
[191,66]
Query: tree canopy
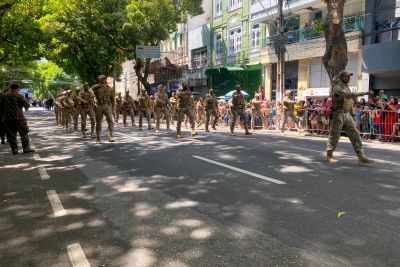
[86,38]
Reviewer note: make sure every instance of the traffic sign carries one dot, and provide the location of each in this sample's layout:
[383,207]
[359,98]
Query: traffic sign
[143,51]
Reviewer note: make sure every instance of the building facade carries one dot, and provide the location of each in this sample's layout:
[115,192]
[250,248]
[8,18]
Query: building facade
[381,50]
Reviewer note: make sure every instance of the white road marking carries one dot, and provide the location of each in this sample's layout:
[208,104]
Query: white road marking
[131,137]
[77,257]
[43,173]
[272,180]
[56,204]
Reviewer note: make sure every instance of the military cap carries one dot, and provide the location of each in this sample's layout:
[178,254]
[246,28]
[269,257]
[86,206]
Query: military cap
[344,73]
[86,84]
[101,77]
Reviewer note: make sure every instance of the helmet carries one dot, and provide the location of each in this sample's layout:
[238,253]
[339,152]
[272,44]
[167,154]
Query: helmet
[344,73]
[101,77]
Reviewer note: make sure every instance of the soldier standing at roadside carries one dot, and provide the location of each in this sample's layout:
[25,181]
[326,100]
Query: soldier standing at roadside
[128,107]
[184,108]
[14,119]
[211,109]
[162,102]
[238,109]
[342,118]
[144,109]
[86,108]
[104,98]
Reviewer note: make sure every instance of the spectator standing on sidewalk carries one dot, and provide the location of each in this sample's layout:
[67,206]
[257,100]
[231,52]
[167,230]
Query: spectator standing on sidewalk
[342,119]
[14,119]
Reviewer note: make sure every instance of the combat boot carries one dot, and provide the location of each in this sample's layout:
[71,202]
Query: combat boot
[110,137]
[207,131]
[178,136]
[364,160]
[14,151]
[194,133]
[214,127]
[329,158]
[98,139]
[248,133]
[28,149]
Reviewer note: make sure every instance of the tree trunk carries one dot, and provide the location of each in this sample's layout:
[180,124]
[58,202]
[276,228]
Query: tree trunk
[143,76]
[335,58]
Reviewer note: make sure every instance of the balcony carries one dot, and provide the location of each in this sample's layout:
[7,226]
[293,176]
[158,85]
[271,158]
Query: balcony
[350,24]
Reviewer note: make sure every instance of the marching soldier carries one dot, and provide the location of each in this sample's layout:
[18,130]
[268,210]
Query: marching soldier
[256,111]
[118,107]
[201,112]
[162,102]
[67,108]
[238,109]
[288,110]
[14,119]
[342,118]
[128,107]
[86,108]
[152,107]
[144,109]
[173,101]
[104,98]
[76,109]
[211,109]
[184,108]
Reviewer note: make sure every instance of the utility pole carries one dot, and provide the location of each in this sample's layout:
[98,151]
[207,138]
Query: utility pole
[280,50]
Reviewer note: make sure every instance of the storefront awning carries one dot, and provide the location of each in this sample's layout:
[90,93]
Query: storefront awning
[253,66]
[214,71]
[233,68]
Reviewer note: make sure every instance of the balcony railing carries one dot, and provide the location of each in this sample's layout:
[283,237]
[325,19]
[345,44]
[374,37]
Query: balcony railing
[350,24]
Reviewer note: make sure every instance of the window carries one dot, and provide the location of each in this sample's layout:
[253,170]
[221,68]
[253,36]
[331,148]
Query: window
[235,4]
[218,44]
[199,57]
[255,36]
[218,7]
[235,40]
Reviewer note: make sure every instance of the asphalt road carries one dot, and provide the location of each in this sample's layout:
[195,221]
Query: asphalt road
[213,200]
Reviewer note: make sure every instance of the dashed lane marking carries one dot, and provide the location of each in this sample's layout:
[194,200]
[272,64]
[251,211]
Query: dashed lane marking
[43,173]
[76,255]
[272,180]
[56,204]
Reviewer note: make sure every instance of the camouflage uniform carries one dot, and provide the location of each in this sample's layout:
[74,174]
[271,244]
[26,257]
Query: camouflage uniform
[342,119]
[184,108]
[128,106]
[173,106]
[238,109]
[15,121]
[161,99]
[67,108]
[144,109]
[256,111]
[118,107]
[86,108]
[211,103]
[201,112]
[58,110]
[104,98]
[288,111]
[76,109]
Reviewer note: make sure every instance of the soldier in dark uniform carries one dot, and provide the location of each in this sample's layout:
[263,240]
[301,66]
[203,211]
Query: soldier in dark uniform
[86,108]
[104,97]
[238,109]
[211,103]
[343,120]
[14,119]
[184,108]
